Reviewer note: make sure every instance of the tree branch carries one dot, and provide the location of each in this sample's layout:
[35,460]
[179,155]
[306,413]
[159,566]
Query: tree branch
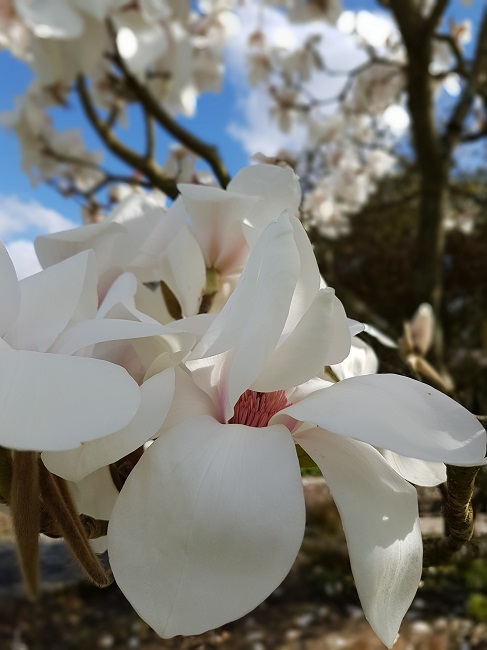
[149,168]
[477,78]
[163,118]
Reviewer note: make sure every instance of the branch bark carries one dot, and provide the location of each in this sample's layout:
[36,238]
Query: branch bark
[148,167]
[207,152]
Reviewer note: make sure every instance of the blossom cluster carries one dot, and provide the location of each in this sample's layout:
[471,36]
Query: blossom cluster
[333,80]
[203,338]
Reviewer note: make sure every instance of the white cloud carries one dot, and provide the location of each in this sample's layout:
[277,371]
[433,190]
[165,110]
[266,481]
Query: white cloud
[19,217]
[23,256]
[20,223]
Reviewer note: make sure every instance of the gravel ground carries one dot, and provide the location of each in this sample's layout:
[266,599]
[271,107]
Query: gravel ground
[316,608]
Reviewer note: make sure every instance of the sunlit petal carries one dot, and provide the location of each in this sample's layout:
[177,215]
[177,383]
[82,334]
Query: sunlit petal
[397,413]
[319,338]
[51,299]
[379,513]
[212,510]
[54,402]
[75,464]
[419,472]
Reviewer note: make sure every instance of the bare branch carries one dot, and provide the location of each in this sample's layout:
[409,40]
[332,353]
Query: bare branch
[207,152]
[436,14]
[149,168]
[478,78]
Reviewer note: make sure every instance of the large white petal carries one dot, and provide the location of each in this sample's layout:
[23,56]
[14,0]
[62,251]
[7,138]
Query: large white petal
[397,413]
[419,472]
[75,464]
[51,299]
[207,525]
[379,513]
[320,338]
[9,292]
[54,402]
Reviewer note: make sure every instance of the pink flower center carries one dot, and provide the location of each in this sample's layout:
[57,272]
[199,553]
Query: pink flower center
[256,409]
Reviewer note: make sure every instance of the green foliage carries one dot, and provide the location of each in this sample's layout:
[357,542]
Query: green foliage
[477,606]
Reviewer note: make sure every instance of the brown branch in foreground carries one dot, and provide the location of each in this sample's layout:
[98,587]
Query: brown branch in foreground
[25,510]
[60,508]
[149,168]
[207,152]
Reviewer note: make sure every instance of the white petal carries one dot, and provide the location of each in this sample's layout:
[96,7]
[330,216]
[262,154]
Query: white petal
[96,494]
[397,413]
[122,291]
[379,513]
[9,292]
[362,360]
[319,338]
[216,515]
[419,472]
[52,298]
[54,402]
[216,222]
[253,318]
[183,270]
[74,465]
[82,335]
[308,282]
[189,400]
[277,186]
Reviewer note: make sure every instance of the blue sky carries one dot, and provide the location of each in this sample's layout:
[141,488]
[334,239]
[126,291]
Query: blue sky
[214,115]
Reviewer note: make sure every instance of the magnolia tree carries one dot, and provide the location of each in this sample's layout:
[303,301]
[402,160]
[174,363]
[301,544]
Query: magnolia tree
[169,372]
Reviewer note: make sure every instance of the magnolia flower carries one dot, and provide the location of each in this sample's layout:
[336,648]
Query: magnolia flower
[198,247]
[215,504]
[51,396]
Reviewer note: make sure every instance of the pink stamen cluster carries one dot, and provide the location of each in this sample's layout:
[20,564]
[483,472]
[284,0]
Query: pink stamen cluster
[256,409]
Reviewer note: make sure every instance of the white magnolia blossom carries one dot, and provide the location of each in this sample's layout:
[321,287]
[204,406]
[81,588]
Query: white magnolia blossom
[50,322]
[206,233]
[231,519]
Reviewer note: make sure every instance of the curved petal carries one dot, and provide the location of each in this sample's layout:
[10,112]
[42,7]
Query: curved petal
[396,413]
[418,472]
[9,292]
[103,237]
[362,360]
[309,280]
[54,402]
[122,291]
[96,494]
[212,510]
[320,338]
[51,299]
[183,270]
[379,512]
[76,464]
[89,332]
[277,186]
[216,222]
[253,318]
